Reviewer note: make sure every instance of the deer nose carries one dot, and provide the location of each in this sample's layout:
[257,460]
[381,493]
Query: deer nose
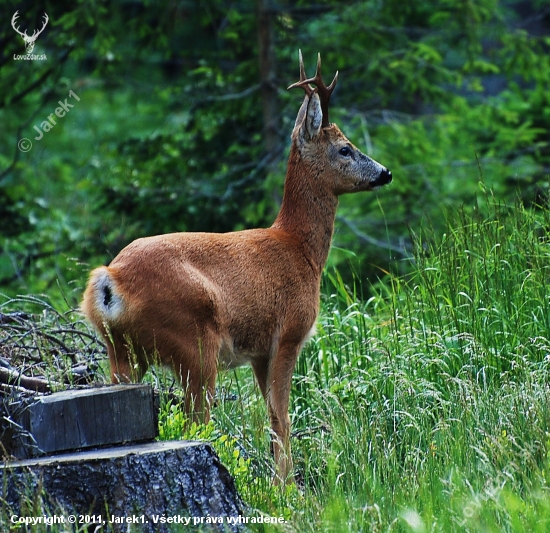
[385,177]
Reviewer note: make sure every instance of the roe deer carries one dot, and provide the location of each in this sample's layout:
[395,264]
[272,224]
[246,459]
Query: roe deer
[194,301]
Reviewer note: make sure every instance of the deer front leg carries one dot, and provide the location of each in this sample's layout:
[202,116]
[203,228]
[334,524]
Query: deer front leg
[277,397]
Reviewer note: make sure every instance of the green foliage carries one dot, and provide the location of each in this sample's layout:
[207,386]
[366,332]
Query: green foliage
[174,424]
[167,135]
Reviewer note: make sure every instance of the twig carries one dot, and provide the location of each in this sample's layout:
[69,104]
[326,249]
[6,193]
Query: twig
[401,250]
[232,96]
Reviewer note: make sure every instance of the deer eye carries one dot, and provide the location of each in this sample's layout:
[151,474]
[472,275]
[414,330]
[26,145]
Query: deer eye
[345,151]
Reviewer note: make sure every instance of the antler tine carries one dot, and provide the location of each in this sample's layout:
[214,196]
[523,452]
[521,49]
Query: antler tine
[323,91]
[46,20]
[302,69]
[304,82]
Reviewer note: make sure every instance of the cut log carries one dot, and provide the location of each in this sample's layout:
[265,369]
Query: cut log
[86,418]
[154,485]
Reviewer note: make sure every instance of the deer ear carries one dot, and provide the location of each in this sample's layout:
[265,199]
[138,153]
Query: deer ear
[312,117]
[301,115]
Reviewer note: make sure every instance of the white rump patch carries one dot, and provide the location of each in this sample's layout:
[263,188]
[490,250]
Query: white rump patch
[107,299]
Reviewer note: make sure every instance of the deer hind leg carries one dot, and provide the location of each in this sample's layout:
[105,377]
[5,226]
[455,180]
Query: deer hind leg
[275,382]
[126,363]
[195,363]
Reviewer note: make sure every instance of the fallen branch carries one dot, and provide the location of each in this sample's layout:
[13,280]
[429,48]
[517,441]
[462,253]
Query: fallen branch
[13,377]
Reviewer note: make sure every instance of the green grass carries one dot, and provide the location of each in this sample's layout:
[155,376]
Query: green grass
[423,408]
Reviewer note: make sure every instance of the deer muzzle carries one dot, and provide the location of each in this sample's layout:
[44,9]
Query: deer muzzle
[384,178]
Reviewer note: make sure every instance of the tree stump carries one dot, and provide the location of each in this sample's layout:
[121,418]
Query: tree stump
[151,485]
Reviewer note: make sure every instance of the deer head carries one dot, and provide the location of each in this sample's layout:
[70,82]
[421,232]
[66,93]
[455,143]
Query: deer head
[321,145]
[29,40]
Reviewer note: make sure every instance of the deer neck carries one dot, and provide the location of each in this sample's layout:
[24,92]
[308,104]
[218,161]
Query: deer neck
[308,211]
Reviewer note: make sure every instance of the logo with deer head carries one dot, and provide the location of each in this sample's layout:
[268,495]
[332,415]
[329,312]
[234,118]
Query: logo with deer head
[29,40]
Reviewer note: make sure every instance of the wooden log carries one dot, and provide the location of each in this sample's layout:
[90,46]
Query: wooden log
[86,418]
[153,485]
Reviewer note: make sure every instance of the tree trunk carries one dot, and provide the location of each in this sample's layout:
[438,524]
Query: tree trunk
[269,82]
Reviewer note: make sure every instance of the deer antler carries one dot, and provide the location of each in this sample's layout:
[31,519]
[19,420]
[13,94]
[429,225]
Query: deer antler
[303,83]
[38,32]
[323,91]
[14,18]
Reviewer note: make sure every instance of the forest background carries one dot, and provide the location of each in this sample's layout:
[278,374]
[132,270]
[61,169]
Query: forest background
[181,121]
